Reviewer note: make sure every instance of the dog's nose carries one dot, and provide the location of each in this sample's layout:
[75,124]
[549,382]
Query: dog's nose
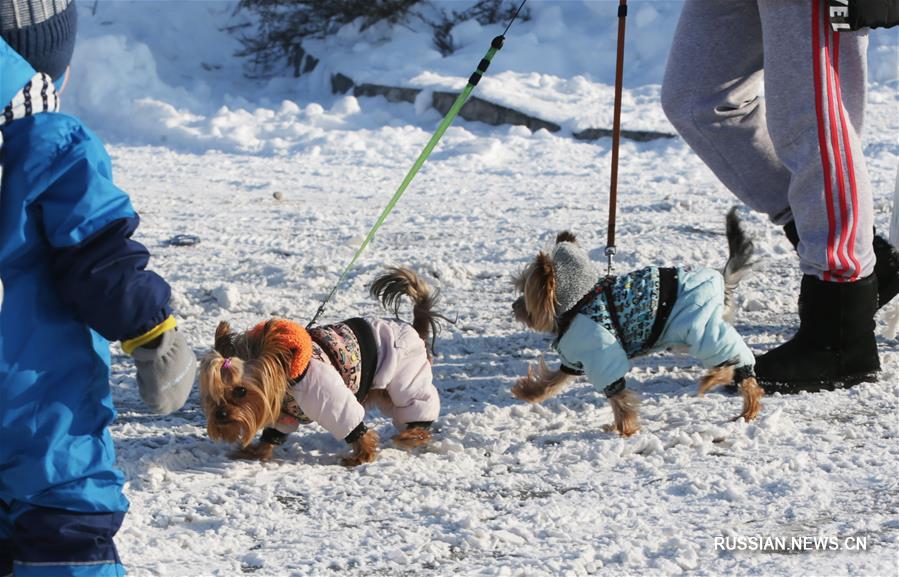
[518,306]
[221,415]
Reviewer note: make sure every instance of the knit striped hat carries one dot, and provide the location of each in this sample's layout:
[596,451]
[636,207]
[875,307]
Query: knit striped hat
[41,31]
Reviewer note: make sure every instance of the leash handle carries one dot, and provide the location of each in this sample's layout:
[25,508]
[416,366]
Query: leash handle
[616,134]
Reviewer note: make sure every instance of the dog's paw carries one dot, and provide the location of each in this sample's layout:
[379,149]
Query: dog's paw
[355,460]
[365,450]
[411,438]
[260,451]
[519,389]
[628,430]
[752,399]
[540,384]
[526,390]
[624,431]
[351,461]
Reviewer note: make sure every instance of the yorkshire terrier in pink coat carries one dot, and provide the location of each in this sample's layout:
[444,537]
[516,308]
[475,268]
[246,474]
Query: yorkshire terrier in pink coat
[278,375]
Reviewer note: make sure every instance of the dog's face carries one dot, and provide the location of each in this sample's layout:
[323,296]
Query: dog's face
[239,397]
[536,307]
[520,311]
[235,408]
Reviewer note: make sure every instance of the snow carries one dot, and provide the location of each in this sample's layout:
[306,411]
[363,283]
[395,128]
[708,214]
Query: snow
[281,180]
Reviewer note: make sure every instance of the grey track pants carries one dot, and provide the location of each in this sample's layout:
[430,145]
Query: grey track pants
[796,153]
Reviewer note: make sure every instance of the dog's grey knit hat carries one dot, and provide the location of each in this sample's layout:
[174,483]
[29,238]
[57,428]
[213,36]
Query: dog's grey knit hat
[41,31]
[575,274]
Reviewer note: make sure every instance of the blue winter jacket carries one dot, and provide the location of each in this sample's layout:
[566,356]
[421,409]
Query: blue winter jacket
[72,281]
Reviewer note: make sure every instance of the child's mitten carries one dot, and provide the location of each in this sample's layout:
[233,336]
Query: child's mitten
[166,372]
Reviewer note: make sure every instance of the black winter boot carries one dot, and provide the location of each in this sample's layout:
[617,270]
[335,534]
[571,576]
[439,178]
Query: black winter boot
[886,269]
[886,266]
[835,346]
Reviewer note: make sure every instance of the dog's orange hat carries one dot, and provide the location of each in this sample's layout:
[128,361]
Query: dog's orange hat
[289,336]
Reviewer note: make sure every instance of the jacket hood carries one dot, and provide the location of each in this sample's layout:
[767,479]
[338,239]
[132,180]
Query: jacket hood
[14,73]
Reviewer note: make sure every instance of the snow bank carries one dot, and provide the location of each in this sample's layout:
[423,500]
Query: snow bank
[146,72]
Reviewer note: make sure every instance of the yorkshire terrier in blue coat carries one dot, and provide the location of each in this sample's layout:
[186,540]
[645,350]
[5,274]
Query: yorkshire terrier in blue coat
[601,322]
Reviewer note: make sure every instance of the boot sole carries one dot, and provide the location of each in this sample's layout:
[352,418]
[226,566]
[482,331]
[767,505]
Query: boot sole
[794,387]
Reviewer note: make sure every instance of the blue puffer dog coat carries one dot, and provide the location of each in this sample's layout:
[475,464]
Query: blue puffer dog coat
[627,316]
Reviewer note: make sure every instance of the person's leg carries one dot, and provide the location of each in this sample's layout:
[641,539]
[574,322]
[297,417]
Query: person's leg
[62,492]
[811,73]
[886,264]
[6,546]
[711,93]
[58,543]
[853,71]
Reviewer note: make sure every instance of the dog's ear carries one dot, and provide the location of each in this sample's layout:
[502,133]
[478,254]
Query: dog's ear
[270,342]
[224,340]
[566,236]
[540,293]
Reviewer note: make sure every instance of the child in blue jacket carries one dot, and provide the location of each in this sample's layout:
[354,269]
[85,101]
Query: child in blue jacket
[73,280]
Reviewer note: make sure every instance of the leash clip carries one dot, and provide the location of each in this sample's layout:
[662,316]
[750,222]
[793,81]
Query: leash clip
[610,253]
[317,314]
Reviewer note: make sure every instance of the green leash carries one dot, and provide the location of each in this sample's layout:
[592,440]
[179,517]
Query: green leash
[460,101]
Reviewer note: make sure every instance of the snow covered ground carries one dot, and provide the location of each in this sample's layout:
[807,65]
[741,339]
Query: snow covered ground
[506,488]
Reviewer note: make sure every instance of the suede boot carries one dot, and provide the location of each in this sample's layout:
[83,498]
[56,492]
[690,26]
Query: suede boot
[835,346]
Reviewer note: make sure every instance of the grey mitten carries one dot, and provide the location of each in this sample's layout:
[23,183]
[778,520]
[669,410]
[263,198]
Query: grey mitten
[165,374]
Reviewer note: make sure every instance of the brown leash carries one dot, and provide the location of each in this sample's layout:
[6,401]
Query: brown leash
[616,134]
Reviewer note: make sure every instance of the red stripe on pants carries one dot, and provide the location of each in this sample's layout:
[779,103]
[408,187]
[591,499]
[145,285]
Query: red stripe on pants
[850,167]
[837,158]
[822,139]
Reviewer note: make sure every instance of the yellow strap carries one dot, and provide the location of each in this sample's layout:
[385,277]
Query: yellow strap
[166,325]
